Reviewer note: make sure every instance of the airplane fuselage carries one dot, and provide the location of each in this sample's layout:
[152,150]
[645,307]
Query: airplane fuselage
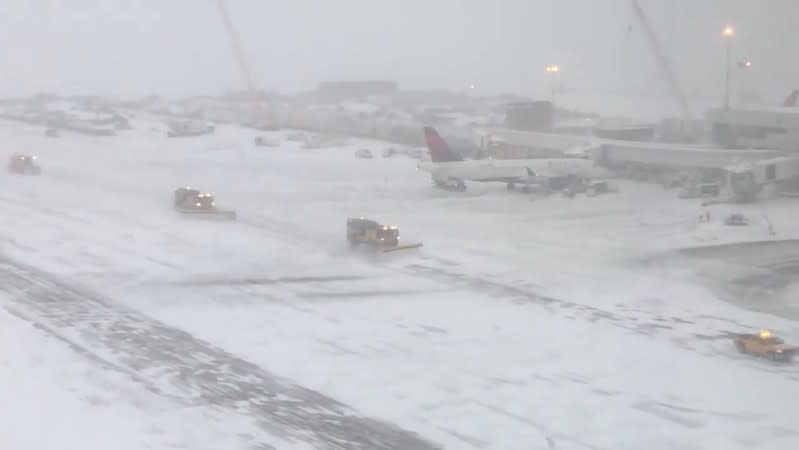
[511,170]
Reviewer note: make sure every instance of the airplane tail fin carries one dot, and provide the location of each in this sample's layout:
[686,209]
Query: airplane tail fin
[790,101]
[438,148]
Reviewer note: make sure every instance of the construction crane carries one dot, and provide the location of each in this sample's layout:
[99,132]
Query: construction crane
[660,54]
[265,118]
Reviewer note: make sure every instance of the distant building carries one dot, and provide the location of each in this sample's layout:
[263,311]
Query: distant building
[217,110]
[335,91]
[247,96]
[767,128]
[529,116]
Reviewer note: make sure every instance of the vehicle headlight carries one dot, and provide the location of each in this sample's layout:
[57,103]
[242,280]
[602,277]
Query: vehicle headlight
[198,204]
[779,351]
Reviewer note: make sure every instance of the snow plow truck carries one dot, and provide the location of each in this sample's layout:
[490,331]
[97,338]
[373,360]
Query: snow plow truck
[23,165]
[766,345]
[198,204]
[380,237]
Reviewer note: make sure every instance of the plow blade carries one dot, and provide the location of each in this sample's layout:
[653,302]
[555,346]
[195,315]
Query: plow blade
[210,215]
[401,247]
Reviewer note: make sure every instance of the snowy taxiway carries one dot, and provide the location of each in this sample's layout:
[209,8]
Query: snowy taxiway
[521,318]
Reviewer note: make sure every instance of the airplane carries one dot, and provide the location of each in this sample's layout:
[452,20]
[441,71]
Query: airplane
[450,171]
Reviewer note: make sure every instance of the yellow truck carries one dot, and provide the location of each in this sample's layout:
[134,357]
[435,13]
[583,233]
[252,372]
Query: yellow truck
[766,345]
[375,235]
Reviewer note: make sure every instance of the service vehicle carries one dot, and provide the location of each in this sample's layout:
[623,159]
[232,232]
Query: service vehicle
[195,203]
[24,165]
[375,235]
[765,344]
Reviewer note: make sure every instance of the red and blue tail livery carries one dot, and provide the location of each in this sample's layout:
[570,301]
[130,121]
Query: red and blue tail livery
[438,148]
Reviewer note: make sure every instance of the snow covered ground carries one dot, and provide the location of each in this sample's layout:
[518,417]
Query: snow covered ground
[59,395]
[520,318]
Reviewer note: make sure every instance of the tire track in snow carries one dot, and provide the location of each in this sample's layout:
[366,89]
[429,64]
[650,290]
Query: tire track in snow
[635,320]
[436,271]
[82,223]
[440,269]
[190,370]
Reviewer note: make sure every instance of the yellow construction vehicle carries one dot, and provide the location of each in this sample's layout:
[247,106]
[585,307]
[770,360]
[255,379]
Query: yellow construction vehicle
[382,237]
[765,344]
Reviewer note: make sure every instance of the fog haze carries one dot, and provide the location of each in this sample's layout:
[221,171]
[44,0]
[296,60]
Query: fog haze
[374,265]
[180,47]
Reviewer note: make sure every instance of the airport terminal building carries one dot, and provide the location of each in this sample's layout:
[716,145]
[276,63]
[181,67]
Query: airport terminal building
[336,91]
[763,128]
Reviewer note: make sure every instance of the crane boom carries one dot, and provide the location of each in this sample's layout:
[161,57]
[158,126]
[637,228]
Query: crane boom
[671,79]
[237,49]
[266,119]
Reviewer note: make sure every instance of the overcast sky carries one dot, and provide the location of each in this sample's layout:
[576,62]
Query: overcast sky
[134,47]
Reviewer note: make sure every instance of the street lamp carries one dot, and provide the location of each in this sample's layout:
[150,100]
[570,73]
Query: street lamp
[552,70]
[728,33]
[744,66]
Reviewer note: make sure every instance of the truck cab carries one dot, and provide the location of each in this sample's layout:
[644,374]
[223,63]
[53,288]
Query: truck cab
[765,344]
[370,232]
[23,164]
[190,198]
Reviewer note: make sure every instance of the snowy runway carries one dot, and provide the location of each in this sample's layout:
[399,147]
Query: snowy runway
[173,364]
[519,319]
[58,394]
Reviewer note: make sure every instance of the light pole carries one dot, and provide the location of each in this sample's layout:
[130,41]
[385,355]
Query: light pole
[745,66]
[728,33]
[552,70]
